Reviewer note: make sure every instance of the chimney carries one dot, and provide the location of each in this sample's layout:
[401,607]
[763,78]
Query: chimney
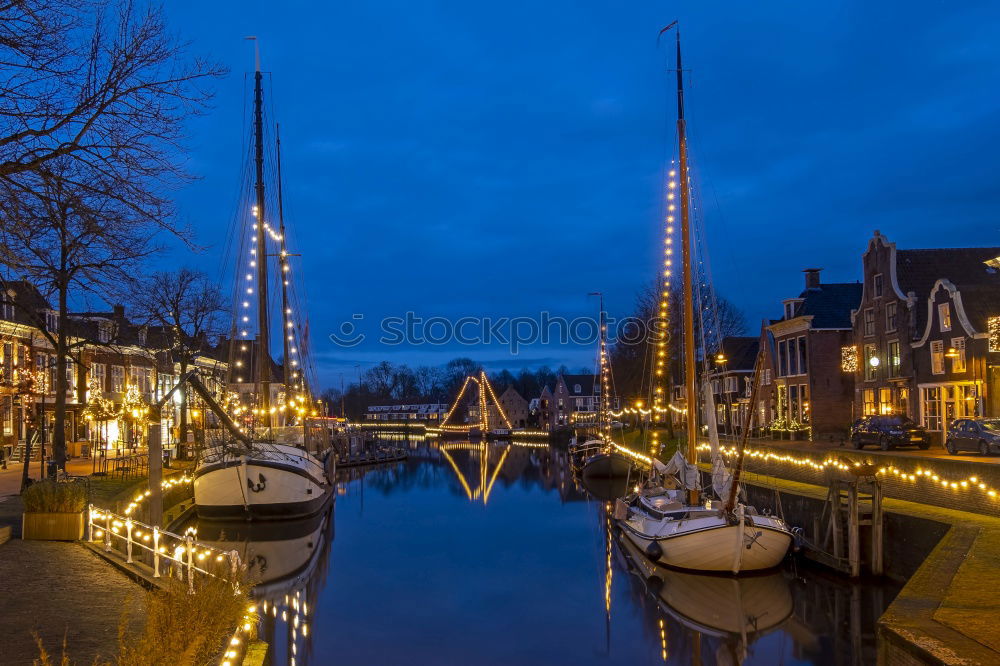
[119,311]
[812,277]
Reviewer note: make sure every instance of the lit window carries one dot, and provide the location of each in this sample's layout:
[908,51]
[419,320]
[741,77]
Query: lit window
[958,355]
[944,314]
[937,357]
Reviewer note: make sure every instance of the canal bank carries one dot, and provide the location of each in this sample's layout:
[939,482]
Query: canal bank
[950,559]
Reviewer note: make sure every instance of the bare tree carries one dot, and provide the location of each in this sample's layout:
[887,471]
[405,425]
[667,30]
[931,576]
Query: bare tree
[188,308]
[103,83]
[63,234]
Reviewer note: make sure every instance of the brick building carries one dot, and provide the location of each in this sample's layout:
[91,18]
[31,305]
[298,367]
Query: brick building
[921,333]
[515,406]
[810,390]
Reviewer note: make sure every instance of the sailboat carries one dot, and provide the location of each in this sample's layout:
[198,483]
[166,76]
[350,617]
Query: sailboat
[600,458]
[257,477]
[672,525]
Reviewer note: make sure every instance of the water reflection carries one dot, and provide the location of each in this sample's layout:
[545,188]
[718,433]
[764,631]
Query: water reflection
[287,561]
[491,553]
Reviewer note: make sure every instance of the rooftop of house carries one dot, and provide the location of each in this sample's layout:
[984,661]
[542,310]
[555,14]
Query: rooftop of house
[585,382]
[830,304]
[740,353]
[965,267]
[918,270]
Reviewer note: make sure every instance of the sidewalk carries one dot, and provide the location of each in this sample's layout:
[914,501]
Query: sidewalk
[61,590]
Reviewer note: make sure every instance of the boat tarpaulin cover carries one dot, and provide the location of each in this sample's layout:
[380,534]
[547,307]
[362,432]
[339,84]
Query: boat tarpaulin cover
[685,471]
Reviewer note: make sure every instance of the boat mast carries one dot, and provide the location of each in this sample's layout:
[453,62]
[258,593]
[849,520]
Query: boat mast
[283,262]
[690,380]
[263,341]
[605,421]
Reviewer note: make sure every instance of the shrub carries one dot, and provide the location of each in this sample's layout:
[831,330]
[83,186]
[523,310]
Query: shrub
[185,629]
[53,497]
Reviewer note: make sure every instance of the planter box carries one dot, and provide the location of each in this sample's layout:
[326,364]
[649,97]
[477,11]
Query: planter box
[52,526]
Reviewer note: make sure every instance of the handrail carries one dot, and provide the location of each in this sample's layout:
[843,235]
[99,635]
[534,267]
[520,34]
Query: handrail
[157,546]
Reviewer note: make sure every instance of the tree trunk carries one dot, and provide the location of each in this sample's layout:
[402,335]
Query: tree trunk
[59,429]
[29,431]
[182,421]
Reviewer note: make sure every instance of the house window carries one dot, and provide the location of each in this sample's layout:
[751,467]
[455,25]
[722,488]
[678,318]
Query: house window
[877,285]
[577,389]
[871,368]
[931,407]
[869,402]
[104,329]
[142,335]
[8,362]
[51,321]
[804,397]
[579,404]
[99,372]
[789,310]
[7,311]
[117,379]
[885,401]
[730,384]
[782,368]
[792,355]
[715,386]
[803,357]
[890,317]
[793,402]
[767,377]
[937,357]
[944,314]
[892,358]
[869,321]
[70,376]
[7,414]
[958,359]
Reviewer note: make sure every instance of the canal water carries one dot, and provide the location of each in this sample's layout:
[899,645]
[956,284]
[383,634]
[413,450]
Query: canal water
[476,553]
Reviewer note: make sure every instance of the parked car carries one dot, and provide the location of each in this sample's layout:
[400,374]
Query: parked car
[981,435]
[888,432]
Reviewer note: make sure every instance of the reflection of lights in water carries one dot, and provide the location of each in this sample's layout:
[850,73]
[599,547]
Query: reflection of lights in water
[486,478]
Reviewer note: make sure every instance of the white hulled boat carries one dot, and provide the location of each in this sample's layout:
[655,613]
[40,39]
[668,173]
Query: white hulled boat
[674,526]
[257,476]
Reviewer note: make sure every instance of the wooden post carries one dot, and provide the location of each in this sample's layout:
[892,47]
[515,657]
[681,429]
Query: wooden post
[155,468]
[877,542]
[837,520]
[853,530]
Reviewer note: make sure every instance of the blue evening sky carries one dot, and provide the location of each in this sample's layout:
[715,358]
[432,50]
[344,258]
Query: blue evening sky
[468,158]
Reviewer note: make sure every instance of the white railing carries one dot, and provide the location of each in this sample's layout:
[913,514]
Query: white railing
[175,554]
[180,556]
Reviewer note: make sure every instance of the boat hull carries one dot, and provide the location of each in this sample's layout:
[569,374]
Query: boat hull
[714,544]
[293,484]
[606,466]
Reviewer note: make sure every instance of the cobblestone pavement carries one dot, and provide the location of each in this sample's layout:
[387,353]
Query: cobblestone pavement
[61,589]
